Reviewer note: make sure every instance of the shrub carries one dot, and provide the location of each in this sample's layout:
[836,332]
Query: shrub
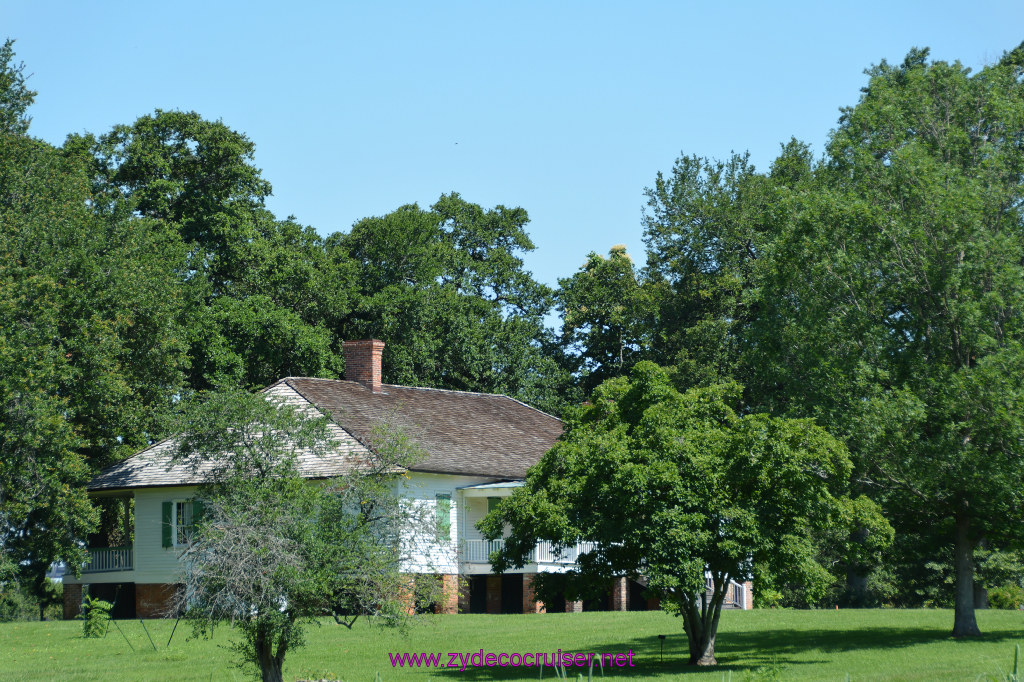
[96,613]
[18,603]
[15,604]
[1009,596]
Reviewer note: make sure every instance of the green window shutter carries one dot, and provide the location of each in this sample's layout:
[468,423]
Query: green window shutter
[492,502]
[166,527]
[197,511]
[444,516]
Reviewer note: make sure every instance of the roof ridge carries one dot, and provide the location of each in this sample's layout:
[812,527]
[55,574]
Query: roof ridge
[428,388]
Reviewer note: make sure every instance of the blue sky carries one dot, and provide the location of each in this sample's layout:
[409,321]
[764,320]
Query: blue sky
[566,109]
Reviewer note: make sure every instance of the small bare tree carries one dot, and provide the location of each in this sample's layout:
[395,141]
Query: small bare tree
[274,551]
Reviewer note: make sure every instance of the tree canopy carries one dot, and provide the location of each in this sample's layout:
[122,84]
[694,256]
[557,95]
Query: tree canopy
[90,349]
[607,318]
[902,323]
[447,290]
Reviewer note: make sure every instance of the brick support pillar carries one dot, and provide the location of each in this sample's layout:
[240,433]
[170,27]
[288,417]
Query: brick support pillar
[408,593]
[494,594]
[154,600]
[748,595]
[620,594]
[530,603]
[72,600]
[574,606]
[653,604]
[450,598]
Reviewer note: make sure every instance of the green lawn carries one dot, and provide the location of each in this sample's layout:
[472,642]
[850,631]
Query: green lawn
[752,645]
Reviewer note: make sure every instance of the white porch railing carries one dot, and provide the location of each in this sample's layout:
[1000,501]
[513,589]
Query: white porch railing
[477,551]
[546,552]
[105,559]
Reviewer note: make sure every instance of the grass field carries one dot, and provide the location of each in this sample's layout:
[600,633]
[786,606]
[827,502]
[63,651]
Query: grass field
[752,645]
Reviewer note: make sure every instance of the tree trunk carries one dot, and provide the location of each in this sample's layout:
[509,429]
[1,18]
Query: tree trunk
[270,665]
[980,597]
[980,591]
[705,650]
[856,575]
[964,623]
[701,625]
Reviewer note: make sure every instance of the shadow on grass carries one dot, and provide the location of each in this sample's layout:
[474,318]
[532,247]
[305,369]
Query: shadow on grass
[790,642]
[756,649]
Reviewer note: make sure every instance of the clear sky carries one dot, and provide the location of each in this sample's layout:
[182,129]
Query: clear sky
[567,109]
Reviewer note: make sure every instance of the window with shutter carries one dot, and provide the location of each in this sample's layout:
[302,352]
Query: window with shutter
[444,516]
[178,518]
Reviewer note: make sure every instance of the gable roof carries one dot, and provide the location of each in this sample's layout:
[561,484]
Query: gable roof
[475,434]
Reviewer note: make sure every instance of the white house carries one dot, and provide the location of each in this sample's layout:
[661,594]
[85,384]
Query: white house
[479,447]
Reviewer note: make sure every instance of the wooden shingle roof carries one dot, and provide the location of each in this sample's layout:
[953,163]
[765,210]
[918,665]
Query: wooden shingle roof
[475,434]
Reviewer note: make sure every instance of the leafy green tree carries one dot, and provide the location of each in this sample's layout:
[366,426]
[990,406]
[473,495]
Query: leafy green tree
[262,293]
[274,551]
[446,289]
[677,488]
[118,309]
[92,350]
[177,167]
[482,254]
[43,506]
[292,267]
[83,375]
[15,97]
[607,317]
[707,226]
[253,342]
[896,298]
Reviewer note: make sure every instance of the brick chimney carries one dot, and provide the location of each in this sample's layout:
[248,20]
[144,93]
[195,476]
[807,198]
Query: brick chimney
[362,362]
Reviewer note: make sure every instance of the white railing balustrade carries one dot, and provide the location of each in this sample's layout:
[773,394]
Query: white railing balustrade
[106,559]
[477,551]
[546,552]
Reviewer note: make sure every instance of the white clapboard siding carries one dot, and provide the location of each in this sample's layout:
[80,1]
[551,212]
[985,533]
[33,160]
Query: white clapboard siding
[153,562]
[476,510]
[423,488]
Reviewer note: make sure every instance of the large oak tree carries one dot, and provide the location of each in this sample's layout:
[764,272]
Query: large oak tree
[894,307]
